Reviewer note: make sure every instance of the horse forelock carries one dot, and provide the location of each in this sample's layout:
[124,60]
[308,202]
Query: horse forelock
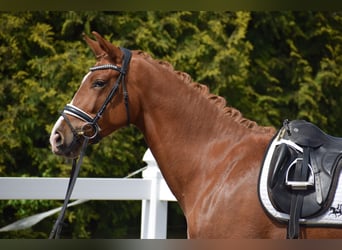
[219,101]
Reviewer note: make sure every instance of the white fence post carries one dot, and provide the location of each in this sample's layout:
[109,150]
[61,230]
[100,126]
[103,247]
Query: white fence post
[154,210]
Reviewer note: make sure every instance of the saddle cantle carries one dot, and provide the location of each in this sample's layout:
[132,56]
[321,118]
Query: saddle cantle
[303,169]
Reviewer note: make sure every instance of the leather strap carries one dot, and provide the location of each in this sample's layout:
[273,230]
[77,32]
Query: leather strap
[57,227]
[297,198]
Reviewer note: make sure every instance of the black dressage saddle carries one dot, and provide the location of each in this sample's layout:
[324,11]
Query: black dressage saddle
[304,172]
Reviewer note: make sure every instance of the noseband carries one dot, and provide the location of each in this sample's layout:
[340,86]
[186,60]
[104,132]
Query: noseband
[91,129]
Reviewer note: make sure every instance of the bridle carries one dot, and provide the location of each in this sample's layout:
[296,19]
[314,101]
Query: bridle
[92,126]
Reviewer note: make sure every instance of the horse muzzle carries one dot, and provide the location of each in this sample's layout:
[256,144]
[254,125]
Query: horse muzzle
[67,136]
[63,141]
[61,146]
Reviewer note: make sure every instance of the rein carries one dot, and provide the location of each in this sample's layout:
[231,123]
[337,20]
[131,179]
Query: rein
[76,165]
[91,123]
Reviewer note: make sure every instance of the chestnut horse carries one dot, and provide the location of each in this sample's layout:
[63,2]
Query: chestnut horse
[209,155]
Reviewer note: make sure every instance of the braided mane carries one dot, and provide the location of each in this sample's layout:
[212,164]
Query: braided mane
[219,101]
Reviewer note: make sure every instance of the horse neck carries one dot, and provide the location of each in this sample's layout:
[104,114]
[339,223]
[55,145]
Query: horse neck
[184,129]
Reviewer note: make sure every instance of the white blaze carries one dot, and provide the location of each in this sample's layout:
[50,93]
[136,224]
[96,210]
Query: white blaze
[83,80]
[60,119]
[53,132]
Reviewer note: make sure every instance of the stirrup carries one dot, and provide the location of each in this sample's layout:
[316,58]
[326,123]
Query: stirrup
[299,185]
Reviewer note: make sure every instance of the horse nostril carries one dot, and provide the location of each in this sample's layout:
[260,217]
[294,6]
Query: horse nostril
[58,139]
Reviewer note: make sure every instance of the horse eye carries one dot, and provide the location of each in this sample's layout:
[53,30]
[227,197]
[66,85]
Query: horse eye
[99,84]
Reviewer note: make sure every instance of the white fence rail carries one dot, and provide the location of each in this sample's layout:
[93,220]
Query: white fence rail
[152,190]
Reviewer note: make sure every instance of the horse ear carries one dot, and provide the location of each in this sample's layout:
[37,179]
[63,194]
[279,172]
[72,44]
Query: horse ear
[112,51]
[94,45]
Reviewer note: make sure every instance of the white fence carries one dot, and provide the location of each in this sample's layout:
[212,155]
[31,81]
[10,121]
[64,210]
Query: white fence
[151,189]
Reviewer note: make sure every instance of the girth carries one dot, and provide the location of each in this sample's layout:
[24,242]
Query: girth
[304,171]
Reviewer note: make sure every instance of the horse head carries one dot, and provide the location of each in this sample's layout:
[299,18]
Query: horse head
[101,103]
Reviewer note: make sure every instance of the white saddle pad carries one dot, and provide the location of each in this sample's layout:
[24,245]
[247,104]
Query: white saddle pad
[333,216]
